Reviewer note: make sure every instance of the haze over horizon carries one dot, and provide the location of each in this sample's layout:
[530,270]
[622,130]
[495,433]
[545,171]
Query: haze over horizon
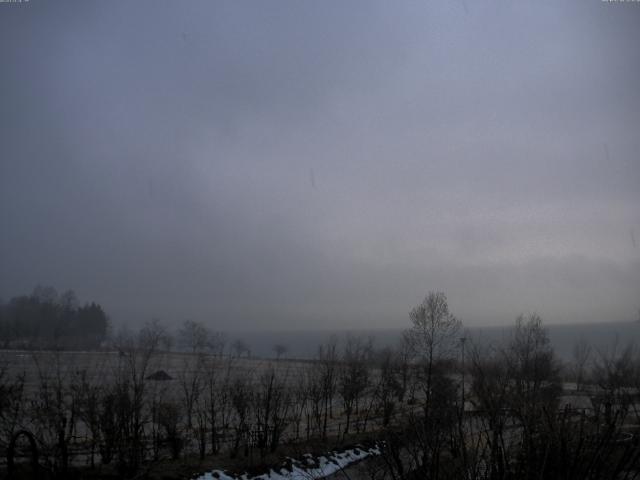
[300,164]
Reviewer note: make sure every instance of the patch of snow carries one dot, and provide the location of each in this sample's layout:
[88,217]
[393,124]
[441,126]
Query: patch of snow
[325,466]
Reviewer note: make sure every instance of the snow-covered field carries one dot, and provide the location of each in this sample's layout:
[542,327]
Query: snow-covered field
[306,469]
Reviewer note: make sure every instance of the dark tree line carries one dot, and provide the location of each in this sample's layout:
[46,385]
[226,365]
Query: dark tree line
[46,319]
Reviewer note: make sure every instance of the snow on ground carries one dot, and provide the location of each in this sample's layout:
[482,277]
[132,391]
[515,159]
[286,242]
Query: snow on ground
[307,469]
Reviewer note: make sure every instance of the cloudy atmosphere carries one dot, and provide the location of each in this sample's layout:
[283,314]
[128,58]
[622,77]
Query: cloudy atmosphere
[307,164]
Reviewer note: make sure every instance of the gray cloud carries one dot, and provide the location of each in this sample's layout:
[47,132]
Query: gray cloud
[156,158]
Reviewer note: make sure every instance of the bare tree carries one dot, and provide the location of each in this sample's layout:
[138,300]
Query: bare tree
[241,401]
[240,348]
[169,417]
[280,350]
[193,336]
[534,388]
[615,372]
[217,397]
[490,392]
[190,378]
[12,404]
[327,365]
[54,412]
[432,337]
[199,379]
[388,386]
[428,434]
[403,366]
[300,403]
[129,395]
[314,387]
[533,367]
[88,391]
[271,400]
[353,375]
[581,356]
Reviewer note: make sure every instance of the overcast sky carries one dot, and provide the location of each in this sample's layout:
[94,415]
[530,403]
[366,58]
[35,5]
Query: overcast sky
[323,164]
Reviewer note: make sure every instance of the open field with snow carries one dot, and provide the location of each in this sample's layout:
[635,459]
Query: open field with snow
[186,405]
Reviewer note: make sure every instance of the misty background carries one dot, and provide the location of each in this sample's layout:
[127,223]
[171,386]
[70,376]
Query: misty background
[322,165]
